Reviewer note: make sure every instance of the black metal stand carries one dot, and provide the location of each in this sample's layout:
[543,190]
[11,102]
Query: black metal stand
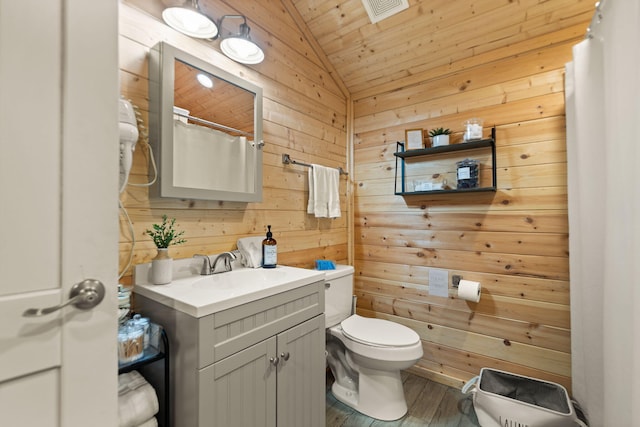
[152,355]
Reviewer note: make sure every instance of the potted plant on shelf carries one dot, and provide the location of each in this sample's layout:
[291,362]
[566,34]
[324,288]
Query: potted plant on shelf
[439,136]
[163,236]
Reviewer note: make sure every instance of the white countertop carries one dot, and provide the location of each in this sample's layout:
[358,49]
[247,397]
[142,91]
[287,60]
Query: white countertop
[200,296]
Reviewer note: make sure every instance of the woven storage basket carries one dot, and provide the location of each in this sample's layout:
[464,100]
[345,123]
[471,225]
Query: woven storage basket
[503,399]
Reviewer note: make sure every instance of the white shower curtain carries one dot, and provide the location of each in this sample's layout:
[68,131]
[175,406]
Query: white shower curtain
[603,150]
[207,159]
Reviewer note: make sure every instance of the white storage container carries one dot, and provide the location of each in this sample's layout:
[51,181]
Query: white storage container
[505,399]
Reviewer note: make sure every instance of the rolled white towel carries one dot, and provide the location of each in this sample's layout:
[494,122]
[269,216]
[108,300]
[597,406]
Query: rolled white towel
[251,251]
[137,400]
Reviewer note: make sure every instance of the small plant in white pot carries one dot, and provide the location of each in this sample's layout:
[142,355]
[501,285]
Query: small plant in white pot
[163,236]
[439,136]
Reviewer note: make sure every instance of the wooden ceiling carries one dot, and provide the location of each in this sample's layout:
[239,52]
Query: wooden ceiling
[429,34]
[429,39]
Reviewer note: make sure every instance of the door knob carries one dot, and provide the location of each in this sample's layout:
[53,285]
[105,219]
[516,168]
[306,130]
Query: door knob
[274,360]
[285,356]
[84,295]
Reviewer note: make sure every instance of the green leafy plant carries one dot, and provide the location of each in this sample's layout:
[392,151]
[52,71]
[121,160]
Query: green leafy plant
[165,234]
[439,131]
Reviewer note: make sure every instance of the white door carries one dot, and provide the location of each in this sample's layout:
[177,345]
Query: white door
[58,210]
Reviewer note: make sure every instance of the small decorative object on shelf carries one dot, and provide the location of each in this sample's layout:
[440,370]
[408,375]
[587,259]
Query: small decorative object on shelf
[414,138]
[145,324]
[473,130]
[439,137]
[130,342]
[163,236]
[468,173]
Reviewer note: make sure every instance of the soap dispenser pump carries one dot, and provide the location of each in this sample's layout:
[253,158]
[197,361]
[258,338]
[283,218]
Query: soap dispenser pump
[269,250]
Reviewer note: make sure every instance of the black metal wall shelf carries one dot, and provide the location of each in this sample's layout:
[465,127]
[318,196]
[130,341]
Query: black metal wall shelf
[401,155]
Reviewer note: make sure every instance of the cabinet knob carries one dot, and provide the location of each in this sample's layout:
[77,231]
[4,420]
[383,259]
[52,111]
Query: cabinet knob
[285,356]
[274,361]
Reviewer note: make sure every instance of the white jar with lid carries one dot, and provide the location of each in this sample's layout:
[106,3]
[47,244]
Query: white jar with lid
[473,129]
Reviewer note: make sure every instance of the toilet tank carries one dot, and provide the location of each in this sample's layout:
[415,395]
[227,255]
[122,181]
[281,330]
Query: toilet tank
[338,294]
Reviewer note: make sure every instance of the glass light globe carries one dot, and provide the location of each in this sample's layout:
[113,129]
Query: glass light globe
[190,22]
[242,50]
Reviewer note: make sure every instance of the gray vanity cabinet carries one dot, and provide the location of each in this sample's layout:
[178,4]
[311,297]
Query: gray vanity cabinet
[233,391]
[260,364]
[300,371]
[254,388]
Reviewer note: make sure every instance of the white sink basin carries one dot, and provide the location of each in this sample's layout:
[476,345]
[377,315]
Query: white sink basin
[247,277]
[200,296]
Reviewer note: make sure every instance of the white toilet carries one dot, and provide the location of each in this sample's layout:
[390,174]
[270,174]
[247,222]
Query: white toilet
[366,355]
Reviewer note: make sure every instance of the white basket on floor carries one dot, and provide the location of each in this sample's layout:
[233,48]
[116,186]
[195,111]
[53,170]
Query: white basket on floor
[504,399]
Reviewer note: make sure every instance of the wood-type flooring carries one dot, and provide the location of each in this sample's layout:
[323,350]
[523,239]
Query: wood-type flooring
[430,405]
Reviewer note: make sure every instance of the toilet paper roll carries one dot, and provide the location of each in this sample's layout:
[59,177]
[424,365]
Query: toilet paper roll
[469,290]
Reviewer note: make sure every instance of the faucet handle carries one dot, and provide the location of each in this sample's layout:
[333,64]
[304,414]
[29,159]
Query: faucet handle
[228,259]
[206,265]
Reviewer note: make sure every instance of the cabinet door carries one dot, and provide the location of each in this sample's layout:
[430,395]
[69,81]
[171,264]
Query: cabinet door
[240,390]
[301,375]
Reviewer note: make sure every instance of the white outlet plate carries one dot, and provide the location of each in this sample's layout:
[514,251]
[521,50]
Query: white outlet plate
[438,282]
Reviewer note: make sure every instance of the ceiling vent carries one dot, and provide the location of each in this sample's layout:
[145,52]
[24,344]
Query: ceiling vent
[381,9]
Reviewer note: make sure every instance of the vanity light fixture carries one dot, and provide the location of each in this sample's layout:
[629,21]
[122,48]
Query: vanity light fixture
[239,46]
[187,18]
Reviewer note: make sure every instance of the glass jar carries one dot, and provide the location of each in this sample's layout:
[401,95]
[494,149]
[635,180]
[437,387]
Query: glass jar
[473,129]
[468,173]
[144,323]
[130,342]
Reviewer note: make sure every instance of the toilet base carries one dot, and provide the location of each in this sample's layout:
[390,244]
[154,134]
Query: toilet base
[380,395]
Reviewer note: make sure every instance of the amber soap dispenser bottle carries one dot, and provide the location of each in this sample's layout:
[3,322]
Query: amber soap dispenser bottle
[269,250]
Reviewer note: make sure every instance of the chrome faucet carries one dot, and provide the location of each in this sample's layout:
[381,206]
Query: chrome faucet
[227,257]
[208,268]
[206,265]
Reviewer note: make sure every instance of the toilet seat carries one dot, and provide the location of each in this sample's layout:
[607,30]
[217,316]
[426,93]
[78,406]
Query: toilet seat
[378,332]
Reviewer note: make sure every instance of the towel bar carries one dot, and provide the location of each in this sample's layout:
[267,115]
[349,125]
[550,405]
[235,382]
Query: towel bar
[286,159]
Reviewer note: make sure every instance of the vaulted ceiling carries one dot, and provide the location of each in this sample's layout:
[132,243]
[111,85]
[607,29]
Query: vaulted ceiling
[429,34]
[413,45]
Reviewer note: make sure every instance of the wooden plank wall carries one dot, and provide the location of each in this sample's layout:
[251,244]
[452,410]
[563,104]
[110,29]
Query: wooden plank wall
[514,241]
[305,115]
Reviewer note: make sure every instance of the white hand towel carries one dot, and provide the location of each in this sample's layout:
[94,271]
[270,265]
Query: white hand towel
[251,251]
[130,381]
[150,423]
[137,400]
[324,192]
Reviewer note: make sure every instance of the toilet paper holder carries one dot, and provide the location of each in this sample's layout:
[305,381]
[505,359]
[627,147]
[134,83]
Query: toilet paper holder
[455,280]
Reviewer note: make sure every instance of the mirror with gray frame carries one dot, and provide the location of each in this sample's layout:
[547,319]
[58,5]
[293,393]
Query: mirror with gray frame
[205,129]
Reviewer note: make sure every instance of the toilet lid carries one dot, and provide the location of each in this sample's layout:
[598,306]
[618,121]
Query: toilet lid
[378,332]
